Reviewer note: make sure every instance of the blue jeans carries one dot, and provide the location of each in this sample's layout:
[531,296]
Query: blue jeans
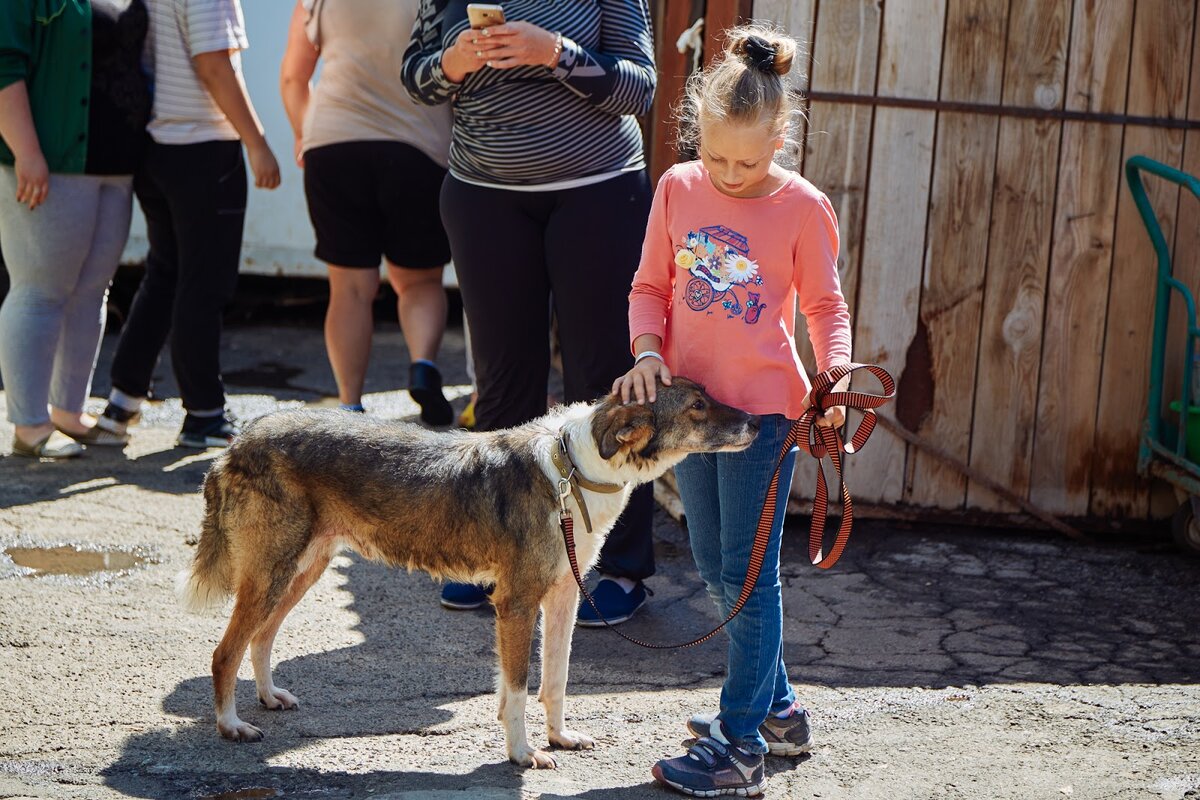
[722,496]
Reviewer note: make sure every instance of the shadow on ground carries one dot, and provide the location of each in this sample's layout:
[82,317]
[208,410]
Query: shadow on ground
[931,608]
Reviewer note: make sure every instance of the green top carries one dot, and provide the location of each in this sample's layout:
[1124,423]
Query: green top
[48,44]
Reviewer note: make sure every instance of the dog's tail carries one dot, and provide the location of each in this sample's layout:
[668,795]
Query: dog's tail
[209,581]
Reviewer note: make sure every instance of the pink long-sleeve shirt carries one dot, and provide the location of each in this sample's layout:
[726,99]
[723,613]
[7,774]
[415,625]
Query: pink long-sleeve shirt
[719,280]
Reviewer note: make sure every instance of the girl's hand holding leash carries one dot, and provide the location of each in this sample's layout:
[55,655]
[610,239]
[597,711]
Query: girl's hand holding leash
[834,417]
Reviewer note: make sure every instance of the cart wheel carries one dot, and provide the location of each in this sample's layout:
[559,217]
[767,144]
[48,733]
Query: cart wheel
[1185,528]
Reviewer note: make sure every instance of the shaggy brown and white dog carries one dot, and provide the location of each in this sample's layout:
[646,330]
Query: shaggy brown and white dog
[298,486]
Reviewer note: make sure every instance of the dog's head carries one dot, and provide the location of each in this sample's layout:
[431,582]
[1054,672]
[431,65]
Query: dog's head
[683,419]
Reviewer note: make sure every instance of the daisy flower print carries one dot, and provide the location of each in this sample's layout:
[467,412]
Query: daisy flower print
[739,268]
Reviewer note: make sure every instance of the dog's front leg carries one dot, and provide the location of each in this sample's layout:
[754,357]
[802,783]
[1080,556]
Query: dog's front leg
[559,607]
[515,621]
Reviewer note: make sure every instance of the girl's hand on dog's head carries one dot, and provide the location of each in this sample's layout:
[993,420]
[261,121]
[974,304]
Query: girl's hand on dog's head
[640,382]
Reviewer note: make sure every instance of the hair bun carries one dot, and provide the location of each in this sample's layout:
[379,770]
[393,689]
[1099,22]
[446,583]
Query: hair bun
[760,53]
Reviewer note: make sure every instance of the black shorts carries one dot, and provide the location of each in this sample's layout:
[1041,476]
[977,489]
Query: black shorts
[372,199]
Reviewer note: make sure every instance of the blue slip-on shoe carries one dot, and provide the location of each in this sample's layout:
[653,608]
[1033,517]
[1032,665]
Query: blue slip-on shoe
[614,603]
[464,596]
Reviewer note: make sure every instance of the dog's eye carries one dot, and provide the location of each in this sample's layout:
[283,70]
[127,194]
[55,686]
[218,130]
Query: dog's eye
[698,405]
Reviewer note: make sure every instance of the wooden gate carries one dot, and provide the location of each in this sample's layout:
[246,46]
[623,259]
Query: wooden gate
[992,255]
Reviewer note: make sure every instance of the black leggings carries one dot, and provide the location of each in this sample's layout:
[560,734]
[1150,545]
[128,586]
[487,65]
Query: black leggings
[514,253]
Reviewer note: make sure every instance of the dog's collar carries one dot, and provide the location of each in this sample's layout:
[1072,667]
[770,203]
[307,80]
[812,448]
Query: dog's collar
[572,479]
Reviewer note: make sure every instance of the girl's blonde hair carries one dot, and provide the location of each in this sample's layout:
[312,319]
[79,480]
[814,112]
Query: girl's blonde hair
[745,85]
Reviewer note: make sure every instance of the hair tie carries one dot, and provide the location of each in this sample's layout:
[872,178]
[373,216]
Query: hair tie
[761,53]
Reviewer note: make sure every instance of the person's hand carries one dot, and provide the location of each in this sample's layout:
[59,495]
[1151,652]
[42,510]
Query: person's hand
[263,165]
[640,382]
[834,417]
[519,44]
[33,179]
[469,53]
[298,152]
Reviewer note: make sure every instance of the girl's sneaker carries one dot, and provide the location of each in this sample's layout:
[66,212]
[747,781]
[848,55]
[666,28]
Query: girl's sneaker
[791,736]
[712,768]
[205,432]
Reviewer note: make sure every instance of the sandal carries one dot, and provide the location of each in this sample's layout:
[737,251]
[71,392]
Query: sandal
[54,446]
[97,437]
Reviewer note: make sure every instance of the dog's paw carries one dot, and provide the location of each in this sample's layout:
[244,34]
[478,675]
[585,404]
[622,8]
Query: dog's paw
[534,759]
[571,740]
[278,699]
[239,731]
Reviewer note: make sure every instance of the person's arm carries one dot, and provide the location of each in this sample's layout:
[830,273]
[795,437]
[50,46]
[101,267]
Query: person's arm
[19,133]
[220,79]
[295,75]
[650,304]
[422,71]
[16,117]
[820,296]
[618,76]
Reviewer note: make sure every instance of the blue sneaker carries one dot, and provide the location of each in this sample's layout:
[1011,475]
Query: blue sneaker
[614,603]
[464,596]
[713,768]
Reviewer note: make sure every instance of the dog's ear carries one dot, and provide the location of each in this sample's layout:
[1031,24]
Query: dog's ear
[623,426]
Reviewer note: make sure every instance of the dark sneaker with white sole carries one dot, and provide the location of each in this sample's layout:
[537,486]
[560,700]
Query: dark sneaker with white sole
[117,420]
[712,769]
[205,432]
[791,736]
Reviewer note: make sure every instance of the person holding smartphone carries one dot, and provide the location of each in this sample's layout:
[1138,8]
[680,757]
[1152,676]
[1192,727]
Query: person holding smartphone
[546,202]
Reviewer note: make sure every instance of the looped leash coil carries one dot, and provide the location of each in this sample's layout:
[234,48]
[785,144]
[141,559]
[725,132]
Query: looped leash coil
[819,442]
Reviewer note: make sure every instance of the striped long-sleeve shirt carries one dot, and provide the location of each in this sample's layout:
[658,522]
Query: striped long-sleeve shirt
[529,126]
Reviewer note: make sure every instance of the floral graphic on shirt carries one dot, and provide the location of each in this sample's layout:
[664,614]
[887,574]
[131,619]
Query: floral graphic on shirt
[718,258]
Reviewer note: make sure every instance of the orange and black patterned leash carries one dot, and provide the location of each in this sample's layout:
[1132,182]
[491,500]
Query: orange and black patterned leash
[819,442]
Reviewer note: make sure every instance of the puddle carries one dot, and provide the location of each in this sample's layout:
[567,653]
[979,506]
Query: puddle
[244,794]
[67,560]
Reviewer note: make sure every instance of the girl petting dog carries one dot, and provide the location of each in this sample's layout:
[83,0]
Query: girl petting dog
[734,239]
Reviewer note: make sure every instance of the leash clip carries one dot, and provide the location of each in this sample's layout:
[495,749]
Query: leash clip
[564,491]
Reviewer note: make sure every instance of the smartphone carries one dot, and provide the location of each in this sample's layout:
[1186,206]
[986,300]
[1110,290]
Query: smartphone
[484,15]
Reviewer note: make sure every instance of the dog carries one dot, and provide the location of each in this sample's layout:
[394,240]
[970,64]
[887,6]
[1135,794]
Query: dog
[297,486]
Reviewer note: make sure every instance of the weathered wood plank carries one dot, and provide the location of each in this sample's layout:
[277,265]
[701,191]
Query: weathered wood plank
[1018,253]
[894,236]
[674,17]
[1158,83]
[1186,252]
[956,249]
[837,149]
[1081,258]
[838,145]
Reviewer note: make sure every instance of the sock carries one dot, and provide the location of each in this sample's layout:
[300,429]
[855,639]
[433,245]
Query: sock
[424,361]
[125,402]
[624,583]
[355,407]
[787,712]
[205,413]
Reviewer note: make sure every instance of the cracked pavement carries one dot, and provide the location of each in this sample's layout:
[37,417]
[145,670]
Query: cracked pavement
[937,661]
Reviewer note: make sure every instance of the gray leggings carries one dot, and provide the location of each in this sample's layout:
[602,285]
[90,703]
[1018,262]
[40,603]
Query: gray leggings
[60,260]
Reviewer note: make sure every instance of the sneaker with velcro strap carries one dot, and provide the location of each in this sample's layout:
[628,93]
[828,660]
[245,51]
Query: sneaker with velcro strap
[713,768]
[790,736]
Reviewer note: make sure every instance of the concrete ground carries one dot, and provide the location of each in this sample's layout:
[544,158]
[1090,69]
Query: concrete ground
[938,662]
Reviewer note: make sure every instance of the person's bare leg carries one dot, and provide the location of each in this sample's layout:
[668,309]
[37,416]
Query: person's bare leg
[421,306]
[348,328]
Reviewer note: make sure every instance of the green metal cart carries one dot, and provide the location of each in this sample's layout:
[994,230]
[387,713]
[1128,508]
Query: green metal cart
[1164,451]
